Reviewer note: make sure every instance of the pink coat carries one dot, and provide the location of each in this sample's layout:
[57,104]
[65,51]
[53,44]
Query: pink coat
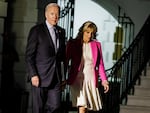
[74,53]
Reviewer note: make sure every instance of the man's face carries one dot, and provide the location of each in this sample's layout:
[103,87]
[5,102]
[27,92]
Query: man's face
[52,15]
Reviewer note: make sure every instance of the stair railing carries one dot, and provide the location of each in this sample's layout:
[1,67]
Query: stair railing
[127,70]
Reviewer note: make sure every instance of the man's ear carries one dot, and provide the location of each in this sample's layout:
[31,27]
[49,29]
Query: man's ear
[45,14]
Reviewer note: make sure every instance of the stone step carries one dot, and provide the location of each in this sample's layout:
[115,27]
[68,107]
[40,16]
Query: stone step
[145,81]
[147,71]
[134,109]
[141,91]
[138,100]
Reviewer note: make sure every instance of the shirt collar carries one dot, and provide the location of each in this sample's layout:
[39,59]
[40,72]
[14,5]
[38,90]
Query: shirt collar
[48,25]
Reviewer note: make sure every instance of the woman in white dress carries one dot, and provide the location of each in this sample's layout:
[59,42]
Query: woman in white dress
[85,62]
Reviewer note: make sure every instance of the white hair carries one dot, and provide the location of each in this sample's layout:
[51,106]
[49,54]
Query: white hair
[52,5]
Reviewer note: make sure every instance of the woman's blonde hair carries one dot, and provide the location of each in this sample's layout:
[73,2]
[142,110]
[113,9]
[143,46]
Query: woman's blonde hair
[85,26]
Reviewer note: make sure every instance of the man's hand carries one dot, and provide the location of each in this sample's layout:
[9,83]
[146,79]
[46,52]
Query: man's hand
[35,81]
[63,84]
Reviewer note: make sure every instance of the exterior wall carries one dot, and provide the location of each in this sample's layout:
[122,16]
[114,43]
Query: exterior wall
[24,17]
[25,14]
[137,10]
[3,14]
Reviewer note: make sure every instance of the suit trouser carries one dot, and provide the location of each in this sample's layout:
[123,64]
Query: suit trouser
[46,99]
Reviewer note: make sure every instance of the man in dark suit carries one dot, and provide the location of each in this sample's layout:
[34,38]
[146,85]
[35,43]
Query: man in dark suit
[44,56]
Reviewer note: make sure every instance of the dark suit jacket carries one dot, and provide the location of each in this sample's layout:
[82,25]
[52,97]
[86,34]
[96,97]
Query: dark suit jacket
[41,58]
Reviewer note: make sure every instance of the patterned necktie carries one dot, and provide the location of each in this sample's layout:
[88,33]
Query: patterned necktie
[54,37]
[57,38]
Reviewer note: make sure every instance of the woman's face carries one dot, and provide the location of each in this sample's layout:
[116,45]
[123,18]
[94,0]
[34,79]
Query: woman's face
[87,35]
